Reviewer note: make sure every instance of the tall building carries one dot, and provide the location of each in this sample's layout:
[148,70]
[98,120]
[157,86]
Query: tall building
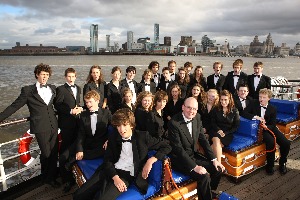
[94,37]
[186,41]
[129,40]
[206,43]
[107,42]
[167,41]
[156,34]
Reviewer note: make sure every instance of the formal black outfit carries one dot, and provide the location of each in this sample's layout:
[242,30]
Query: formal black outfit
[202,82]
[142,117]
[184,89]
[102,181]
[114,97]
[264,82]
[163,85]
[156,125]
[43,124]
[125,84]
[185,155]
[65,101]
[124,105]
[254,109]
[228,123]
[238,104]
[142,85]
[229,81]
[172,109]
[219,85]
[101,89]
[205,117]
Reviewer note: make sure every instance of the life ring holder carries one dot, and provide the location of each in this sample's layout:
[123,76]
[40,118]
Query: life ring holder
[24,144]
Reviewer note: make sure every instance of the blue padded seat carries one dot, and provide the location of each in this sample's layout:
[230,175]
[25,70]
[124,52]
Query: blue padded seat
[88,168]
[179,177]
[245,136]
[287,111]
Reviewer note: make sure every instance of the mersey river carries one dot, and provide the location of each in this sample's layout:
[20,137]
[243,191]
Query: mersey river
[17,71]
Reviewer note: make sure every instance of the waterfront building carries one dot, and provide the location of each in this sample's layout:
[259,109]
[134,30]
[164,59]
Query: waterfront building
[129,40]
[143,40]
[149,46]
[156,34]
[137,47]
[242,49]
[94,38]
[206,43]
[297,49]
[186,41]
[167,41]
[283,50]
[269,45]
[79,49]
[107,42]
[264,48]
[116,47]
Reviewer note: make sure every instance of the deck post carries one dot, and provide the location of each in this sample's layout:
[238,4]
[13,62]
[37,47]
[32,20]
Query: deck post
[2,173]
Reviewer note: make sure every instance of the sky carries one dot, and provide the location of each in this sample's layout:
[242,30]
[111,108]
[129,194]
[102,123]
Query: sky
[66,22]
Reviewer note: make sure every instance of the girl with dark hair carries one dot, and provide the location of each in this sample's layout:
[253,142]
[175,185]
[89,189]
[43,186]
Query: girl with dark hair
[114,97]
[127,99]
[198,77]
[183,80]
[143,104]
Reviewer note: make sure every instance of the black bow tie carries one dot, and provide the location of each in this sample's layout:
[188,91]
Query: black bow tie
[258,76]
[41,86]
[172,74]
[236,75]
[243,99]
[129,140]
[217,75]
[94,112]
[167,81]
[146,84]
[189,121]
[130,82]
[72,86]
[263,107]
[155,75]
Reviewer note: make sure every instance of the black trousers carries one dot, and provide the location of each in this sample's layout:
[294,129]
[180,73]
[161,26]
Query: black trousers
[48,144]
[206,182]
[281,140]
[99,186]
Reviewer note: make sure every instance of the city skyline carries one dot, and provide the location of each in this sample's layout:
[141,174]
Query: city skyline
[64,23]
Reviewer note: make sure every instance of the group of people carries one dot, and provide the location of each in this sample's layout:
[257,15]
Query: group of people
[174,113]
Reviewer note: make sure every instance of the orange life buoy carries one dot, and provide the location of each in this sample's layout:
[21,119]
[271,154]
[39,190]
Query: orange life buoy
[25,141]
[298,95]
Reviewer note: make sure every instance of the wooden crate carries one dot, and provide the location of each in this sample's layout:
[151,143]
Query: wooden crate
[290,130]
[244,162]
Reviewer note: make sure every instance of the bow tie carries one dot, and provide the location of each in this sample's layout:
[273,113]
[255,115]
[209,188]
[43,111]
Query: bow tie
[190,121]
[243,99]
[263,107]
[94,112]
[41,86]
[236,75]
[129,140]
[258,76]
[72,86]
[155,75]
[146,84]
[217,75]
[172,74]
[130,82]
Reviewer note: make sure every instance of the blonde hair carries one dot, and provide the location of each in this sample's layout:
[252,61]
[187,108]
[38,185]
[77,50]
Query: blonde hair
[267,92]
[92,94]
[140,98]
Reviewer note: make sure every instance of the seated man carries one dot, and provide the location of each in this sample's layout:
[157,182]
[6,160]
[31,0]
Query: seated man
[125,160]
[92,134]
[266,113]
[185,134]
[241,99]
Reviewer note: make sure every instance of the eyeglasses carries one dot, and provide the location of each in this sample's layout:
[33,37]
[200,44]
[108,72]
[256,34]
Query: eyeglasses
[190,108]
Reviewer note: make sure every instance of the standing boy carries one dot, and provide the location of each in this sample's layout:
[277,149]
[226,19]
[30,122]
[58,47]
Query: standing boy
[166,82]
[216,80]
[130,83]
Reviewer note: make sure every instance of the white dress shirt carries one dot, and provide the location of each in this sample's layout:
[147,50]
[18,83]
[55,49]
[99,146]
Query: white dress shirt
[131,87]
[263,111]
[94,122]
[216,78]
[125,161]
[44,92]
[256,81]
[172,76]
[147,87]
[243,102]
[235,79]
[156,79]
[74,90]
[189,125]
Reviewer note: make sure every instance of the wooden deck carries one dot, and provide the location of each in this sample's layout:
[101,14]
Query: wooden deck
[256,186]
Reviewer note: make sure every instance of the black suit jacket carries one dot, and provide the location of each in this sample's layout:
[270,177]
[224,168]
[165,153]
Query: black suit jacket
[141,87]
[64,102]
[101,89]
[142,142]
[162,86]
[229,81]
[218,86]
[114,96]
[86,140]
[202,82]
[42,116]
[239,106]
[184,146]
[124,84]
[265,82]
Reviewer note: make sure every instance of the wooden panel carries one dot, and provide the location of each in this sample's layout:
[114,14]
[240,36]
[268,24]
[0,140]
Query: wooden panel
[290,130]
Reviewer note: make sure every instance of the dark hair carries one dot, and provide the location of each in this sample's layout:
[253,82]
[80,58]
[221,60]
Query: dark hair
[231,102]
[90,79]
[171,61]
[186,79]
[153,63]
[188,64]
[202,96]
[116,68]
[69,70]
[165,68]
[123,116]
[241,85]
[257,64]
[140,98]
[159,96]
[170,91]
[42,67]
[194,74]
[130,69]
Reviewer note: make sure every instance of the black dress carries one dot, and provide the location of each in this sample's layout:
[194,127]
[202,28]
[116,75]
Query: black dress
[202,82]
[114,97]
[101,89]
[124,105]
[205,117]
[228,123]
[142,117]
[156,125]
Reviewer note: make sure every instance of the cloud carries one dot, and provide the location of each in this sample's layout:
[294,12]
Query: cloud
[44,31]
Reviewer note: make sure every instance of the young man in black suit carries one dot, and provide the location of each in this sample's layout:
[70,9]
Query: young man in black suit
[43,123]
[172,70]
[241,99]
[266,113]
[166,82]
[156,76]
[185,133]
[146,84]
[130,83]
[235,77]
[67,104]
[126,160]
[258,80]
[216,80]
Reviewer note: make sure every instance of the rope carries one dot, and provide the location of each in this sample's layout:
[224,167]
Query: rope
[170,173]
[266,128]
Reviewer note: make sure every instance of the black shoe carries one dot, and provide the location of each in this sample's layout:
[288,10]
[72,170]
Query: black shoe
[214,195]
[54,184]
[282,168]
[68,187]
[270,170]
